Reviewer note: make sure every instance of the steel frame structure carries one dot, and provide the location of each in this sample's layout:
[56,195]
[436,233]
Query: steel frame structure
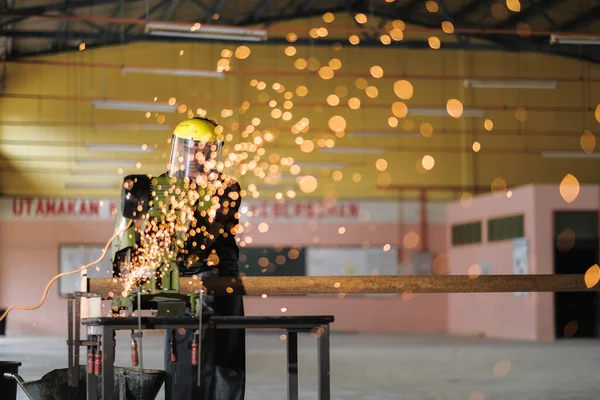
[462,13]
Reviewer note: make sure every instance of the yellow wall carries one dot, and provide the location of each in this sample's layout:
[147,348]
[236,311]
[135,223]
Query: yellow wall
[47,117]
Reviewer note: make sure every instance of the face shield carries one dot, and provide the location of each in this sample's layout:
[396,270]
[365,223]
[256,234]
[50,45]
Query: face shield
[190,158]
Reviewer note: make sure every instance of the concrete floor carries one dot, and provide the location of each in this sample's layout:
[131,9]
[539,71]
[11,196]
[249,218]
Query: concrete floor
[381,367]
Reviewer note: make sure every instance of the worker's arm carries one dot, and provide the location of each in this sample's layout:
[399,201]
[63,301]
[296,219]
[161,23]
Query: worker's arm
[225,220]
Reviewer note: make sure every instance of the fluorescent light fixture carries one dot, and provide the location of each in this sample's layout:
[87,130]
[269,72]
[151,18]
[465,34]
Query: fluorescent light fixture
[266,186]
[128,148]
[102,174]
[199,31]
[499,84]
[354,150]
[117,163]
[313,164]
[133,105]
[442,112]
[575,39]
[131,127]
[174,72]
[569,154]
[91,185]
[214,36]
[383,134]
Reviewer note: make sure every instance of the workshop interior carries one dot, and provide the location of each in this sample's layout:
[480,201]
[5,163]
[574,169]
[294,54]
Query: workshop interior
[299,199]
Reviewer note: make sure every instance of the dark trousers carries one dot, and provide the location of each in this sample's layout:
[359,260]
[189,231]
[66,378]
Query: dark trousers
[222,358]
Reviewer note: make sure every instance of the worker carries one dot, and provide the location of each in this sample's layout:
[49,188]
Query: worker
[195,154]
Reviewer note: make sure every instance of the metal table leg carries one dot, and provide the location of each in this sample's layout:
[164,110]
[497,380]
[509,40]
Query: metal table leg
[323,355]
[108,374]
[91,381]
[91,387]
[292,359]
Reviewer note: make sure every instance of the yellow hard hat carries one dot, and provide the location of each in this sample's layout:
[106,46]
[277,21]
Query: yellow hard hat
[198,129]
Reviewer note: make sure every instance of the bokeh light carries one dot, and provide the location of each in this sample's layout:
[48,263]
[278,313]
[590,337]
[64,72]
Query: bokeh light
[376,71]
[428,162]
[403,89]
[454,108]
[587,141]
[569,188]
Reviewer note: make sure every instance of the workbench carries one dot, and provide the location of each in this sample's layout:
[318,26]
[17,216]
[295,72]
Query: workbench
[107,326]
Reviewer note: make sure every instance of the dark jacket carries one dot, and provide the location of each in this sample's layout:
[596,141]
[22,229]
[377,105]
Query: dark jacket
[223,357]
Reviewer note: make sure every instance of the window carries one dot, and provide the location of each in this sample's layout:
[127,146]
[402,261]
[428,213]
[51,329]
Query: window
[466,233]
[75,256]
[271,261]
[505,228]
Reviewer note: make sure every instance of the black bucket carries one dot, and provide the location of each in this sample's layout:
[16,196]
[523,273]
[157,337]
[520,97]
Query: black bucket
[8,387]
[54,385]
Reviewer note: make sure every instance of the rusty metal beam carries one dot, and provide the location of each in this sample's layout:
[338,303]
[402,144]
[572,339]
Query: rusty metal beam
[286,285]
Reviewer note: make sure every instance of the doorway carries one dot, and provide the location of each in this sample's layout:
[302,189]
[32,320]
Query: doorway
[576,248]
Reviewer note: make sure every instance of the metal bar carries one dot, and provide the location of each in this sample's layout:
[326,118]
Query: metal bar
[272,285]
[349,6]
[292,363]
[446,13]
[324,364]
[533,9]
[409,8]
[540,7]
[72,5]
[157,6]
[77,326]
[169,10]
[129,37]
[216,10]
[461,14]
[200,5]
[423,219]
[414,26]
[277,17]
[194,325]
[71,367]
[91,382]
[582,20]
[108,374]
[141,340]
[260,9]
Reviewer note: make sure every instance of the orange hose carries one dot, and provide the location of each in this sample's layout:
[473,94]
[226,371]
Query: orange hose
[31,308]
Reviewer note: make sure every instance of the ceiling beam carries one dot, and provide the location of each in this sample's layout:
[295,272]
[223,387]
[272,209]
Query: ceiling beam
[450,17]
[303,12]
[300,11]
[582,20]
[58,41]
[260,10]
[208,13]
[169,10]
[505,43]
[115,39]
[409,7]
[219,5]
[462,14]
[74,4]
[538,4]
[536,7]
[349,6]
[147,14]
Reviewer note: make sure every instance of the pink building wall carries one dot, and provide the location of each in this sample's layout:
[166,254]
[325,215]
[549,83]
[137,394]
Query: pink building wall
[504,315]
[29,258]
[547,201]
